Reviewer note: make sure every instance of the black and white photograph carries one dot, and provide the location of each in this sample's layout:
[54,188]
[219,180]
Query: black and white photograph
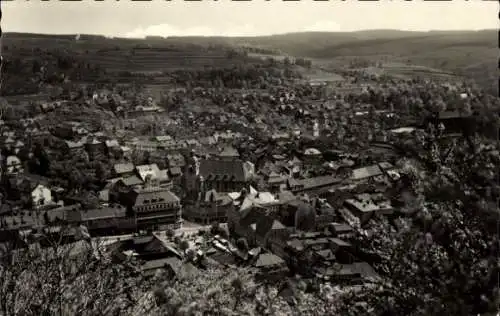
[253,158]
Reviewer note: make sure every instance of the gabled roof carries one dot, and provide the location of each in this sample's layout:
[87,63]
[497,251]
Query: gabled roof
[341,228]
[149,170]
[286,196]
[340,242]
[320,181]
[12,160]
[229,152]
[131,181]
[163,138]
[366,172]
[174,171]
[267,223]
[112,143]
[174,262]
[231,170]
[268,260]
[258,199]
[71,144]
[101,213]
[19,144]
[326,254]
[121,168]
[145,196]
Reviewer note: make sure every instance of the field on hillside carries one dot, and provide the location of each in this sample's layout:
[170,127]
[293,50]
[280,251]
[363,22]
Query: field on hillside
[473,54]
[145,56]
[405,54]
[161,59]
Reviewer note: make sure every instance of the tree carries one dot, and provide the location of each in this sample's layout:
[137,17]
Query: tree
[64,279]
[439,258]
[214,228]
[223,232]
[170,233]
[184,245]
[242,244]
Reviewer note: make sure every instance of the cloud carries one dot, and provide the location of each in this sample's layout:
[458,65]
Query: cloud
[166,30]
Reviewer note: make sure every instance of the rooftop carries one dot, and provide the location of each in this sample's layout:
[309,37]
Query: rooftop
[315,182]
[366,172]
[268,260]
[222,169]
[120,168]
[156,195]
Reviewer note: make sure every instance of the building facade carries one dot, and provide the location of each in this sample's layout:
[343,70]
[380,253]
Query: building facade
[155,208]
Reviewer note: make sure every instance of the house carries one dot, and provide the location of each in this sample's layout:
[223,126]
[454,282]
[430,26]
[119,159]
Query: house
[341,230]
[301,250]
[17,146]
[192,143]
[145,247]
[312,156]
[324,257]
[211,207]
[305,217]
[313,185]
[127,183]
[247,210]
[270,233]
[75,149]
[176,160]
[9,141]
[155,208]
[402,131]
[127,152]
[170,264]
[208,141]
[342,250]
[102,220]
[32,191]
[87,199]
[95,148]
[374,172]
[13,165]
[113,149]
[223,175]
[353,273]
[140,111]
[270,266]
[454,122]
[123,169]
[153,176]
[41,196]
[175,172]
[163,138]
[283,136]
[364,206]
[37,135]
[229,153]
[275,181]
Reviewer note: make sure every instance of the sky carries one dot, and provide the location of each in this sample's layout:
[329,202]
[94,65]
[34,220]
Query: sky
[233,18]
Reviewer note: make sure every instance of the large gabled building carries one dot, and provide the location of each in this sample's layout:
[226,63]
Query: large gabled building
[154,208]
[224,175]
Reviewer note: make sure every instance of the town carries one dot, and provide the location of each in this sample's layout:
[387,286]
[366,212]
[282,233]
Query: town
[285,176]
